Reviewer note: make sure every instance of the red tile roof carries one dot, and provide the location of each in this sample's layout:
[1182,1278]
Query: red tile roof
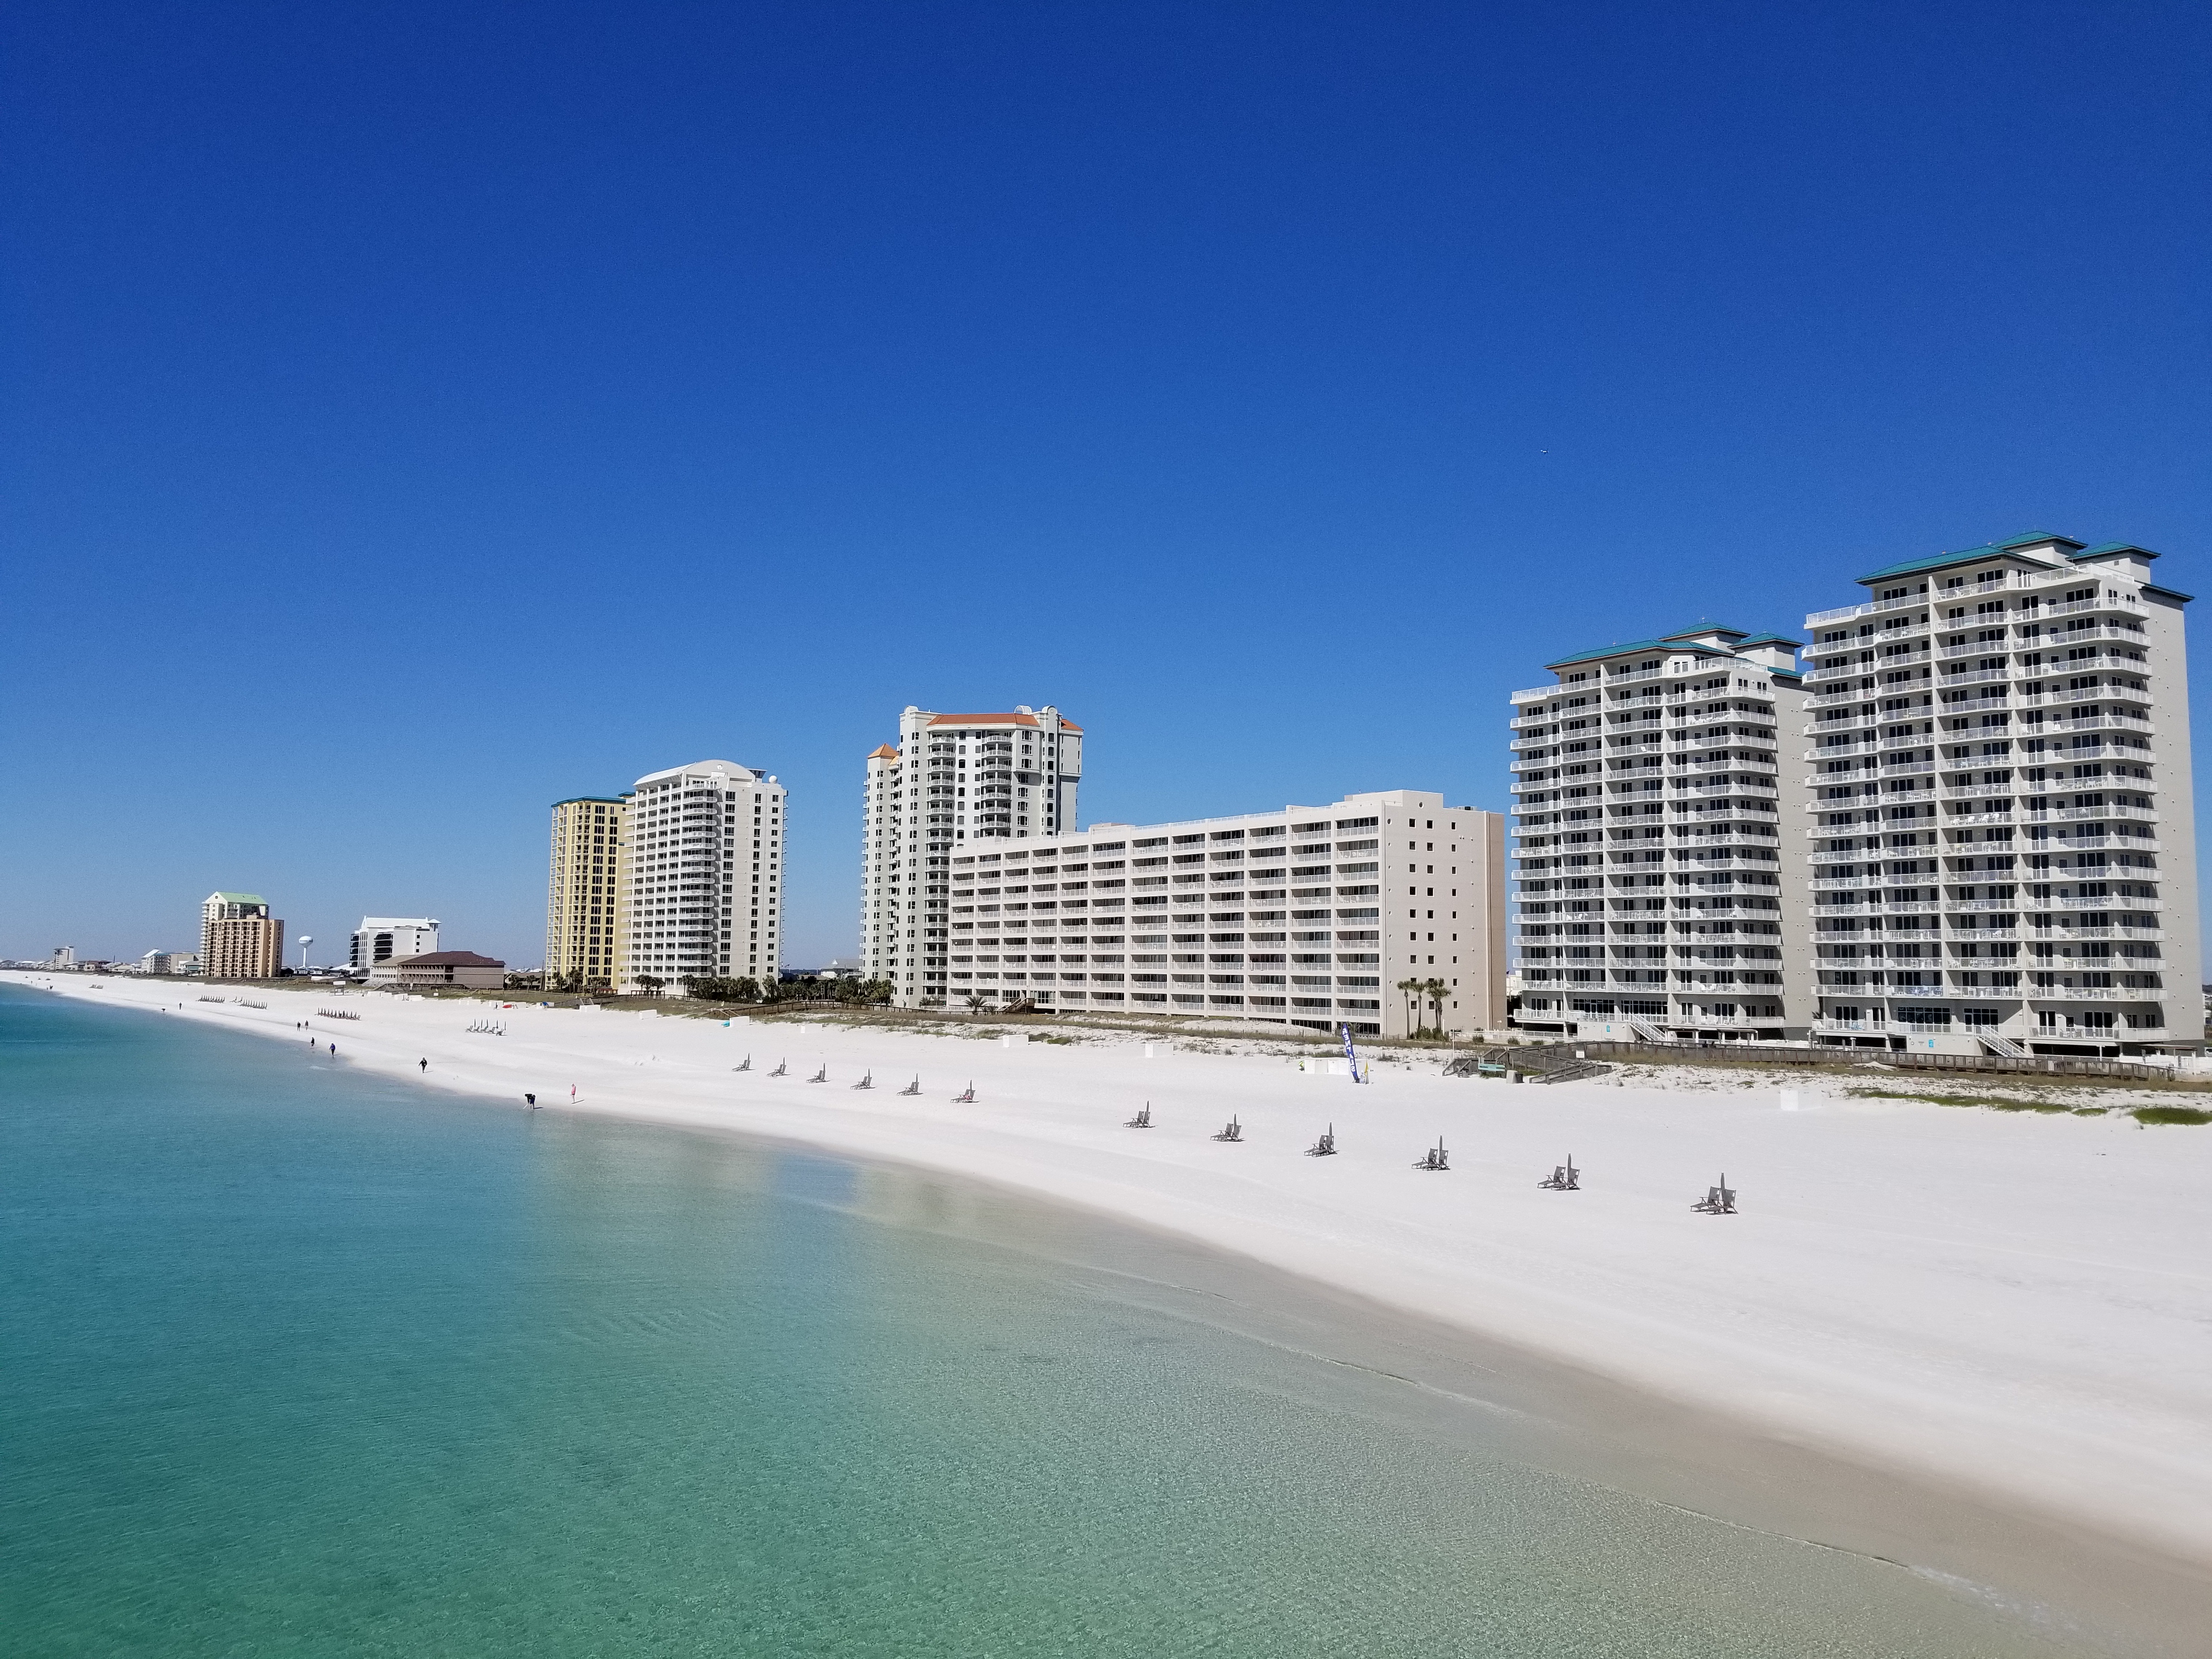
[883,751]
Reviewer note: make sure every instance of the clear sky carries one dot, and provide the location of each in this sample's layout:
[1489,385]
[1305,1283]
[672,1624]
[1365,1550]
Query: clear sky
[414,413]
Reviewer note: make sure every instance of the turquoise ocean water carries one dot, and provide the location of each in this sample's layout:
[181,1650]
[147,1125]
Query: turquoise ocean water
[299,1362]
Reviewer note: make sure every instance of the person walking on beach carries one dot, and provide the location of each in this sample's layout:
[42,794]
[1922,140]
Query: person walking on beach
[334,1048]
[532,1099]
[424,1064]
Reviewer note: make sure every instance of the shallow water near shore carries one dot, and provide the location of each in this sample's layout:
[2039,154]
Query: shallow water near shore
[300,1361]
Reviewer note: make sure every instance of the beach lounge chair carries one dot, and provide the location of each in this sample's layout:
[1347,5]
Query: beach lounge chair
[1718,1200]
[966,1096]
[1436,1157]
[1565,1178]
[868,1081]
[822,1076]
[915,1087]
[1326,1147]
[781,1067]
[1231,1130]
[1142,1118]
[747,1066]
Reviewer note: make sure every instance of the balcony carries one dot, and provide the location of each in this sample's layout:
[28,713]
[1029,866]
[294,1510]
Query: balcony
[1842,613]
[2068,607]
[2067,814]
[2088,693]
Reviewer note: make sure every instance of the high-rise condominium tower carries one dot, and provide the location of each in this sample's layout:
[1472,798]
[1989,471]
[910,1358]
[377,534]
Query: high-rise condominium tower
[583,892]
[702,875]
[953,779]
[1662,888]
[1383,913]
[238,938]
[2001,835]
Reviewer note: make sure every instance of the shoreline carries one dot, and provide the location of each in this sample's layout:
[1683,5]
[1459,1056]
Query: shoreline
[1858,1377]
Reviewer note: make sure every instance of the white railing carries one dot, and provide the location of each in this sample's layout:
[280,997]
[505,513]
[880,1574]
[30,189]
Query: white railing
[1841,613]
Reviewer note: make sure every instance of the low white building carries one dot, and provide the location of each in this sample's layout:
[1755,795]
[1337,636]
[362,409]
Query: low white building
[382,939]
[1317,916]
[169,961]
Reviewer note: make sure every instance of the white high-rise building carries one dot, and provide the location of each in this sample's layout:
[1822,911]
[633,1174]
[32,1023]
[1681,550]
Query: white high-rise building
[702,870]
[380,940]
[2000,824]
[1318,916]
[1663,891]
[952,779]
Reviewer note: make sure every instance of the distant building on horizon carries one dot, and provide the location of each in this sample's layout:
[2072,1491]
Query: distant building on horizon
[952,779]
[238,938]
[442,968]
[381,939]
[64,956]
[702,875]
[584,891]
[169,961]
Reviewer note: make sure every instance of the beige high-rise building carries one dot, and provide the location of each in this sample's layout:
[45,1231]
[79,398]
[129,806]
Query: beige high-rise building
[584,891]
[952,779]
[702,877]
[238,938]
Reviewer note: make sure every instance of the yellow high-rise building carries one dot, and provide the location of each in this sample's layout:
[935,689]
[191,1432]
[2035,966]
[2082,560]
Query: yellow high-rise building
[584,894]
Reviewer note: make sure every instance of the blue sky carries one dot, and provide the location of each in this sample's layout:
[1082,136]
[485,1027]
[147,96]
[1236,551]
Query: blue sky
[414,415]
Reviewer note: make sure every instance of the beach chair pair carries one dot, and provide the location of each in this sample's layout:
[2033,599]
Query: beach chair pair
[1718,1200]
[866,1082]
[747,1066]
[915,1087]
[1565,1178]
[1326,1147]
[1231,1130]
[1436,1157]
[782,1067]
[966,1097]
[822,1076]
[1142,1118]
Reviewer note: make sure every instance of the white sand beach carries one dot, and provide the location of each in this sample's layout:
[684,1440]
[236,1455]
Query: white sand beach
[2018,1303]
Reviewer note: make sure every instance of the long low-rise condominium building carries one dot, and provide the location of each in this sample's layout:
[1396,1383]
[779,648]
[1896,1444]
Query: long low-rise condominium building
[1383,913]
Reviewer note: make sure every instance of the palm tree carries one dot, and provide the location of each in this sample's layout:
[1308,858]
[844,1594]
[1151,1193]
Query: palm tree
[650,985]
[1437,990]
[1409,989]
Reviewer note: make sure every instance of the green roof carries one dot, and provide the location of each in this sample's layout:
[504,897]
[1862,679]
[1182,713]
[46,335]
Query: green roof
[1943,561]
[1769,639]
[1634,645]
[2104,549]
[574,800]
[240,898]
